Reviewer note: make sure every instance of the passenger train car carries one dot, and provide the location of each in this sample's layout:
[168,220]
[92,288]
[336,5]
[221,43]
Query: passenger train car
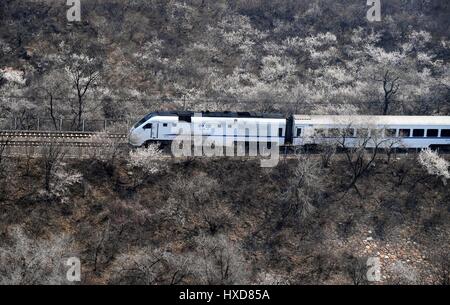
[228,127]
[383,131]
[297,130]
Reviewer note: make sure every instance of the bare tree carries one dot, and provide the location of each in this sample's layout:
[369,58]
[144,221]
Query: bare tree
[305,188]
[57,177]
[52,156]
[327,151]
[390,88]
[25,260]
[150,266]
[360,155]
[29,156]
[390,148]
[402,170]
[220,261]
[84,74]
[196,196]
[102,238]
[270,278]
[356,269]
[104,148]
[443,268]
[2,79]
[403,274]
[4,142]
[53,87]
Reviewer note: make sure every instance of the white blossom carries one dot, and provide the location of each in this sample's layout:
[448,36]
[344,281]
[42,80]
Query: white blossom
[12,75]
[62,180]
[434,164]
[148,159]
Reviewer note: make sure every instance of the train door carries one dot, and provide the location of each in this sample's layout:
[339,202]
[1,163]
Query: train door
[149,130]
[154,132]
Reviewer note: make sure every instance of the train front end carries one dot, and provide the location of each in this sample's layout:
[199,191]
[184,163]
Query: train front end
[138,135]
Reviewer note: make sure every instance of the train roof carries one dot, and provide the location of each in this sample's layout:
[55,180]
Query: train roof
[371,120]
[223,114]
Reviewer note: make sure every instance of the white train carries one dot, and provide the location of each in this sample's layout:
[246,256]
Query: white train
[382,131]
[297,130]
[228,127]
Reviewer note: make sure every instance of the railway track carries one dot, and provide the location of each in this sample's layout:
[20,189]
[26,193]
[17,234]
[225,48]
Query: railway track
[15,140]
[17,143]
[70,139]
[56,143]
[60,135]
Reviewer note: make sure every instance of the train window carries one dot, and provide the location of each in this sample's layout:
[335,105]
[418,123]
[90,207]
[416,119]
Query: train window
[185,118]
[219,125]
[299,132]
[280,132]
[391,133]
[349,132]
[432,133]
[445,133]
[319,132]
[404,133]
[174,124]
[247,132]
[376,133]
[334,132]
[362,133]
[229,125]
[418,132]
[147,126]
[164,124]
